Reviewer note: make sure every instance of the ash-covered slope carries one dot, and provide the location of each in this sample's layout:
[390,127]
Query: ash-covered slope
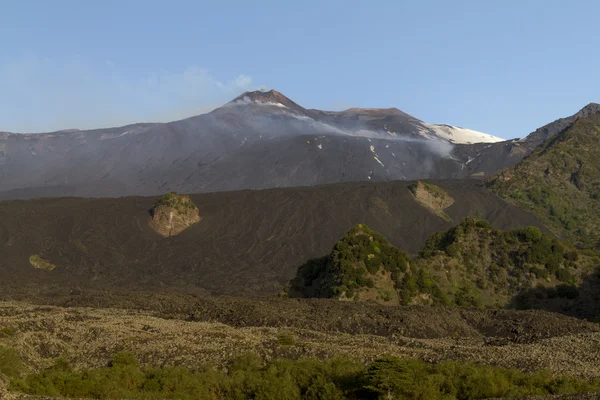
[245,243]
[258,140]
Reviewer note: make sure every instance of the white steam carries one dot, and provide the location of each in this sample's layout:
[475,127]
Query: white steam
[247,100]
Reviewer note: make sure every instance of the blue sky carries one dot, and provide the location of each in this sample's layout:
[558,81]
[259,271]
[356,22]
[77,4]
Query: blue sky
[502,67]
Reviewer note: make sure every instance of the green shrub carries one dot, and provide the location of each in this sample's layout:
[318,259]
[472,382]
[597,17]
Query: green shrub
[10,362]
[286,339]
[339,378]
[467,296]
[564,276]
[7,332]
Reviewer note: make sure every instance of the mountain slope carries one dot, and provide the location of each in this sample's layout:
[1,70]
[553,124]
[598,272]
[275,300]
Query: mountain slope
[258,140]
[471,264]
[245,243]
[560,181]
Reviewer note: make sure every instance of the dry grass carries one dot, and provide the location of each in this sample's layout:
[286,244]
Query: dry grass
[89,337]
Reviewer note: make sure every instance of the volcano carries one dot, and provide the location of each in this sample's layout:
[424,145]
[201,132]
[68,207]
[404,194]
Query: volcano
[260,139]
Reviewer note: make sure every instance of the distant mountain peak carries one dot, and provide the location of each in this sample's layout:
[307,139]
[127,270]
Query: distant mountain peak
[271,97]
[588,110]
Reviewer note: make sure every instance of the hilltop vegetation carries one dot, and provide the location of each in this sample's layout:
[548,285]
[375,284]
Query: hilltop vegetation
[179,202]
[471,264]
[173,213]
[248,376]
[361,266]
[432,197]
[560,183]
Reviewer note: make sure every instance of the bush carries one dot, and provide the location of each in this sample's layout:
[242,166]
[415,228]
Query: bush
[7,332]
[531,234]
[286,339]
[467,296]
[339,378]
[10,362]
[564,276]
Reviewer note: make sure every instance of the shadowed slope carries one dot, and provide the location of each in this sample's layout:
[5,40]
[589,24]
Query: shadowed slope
[248,242]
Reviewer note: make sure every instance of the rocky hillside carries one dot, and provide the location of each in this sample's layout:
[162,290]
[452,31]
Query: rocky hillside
[560,181]
[471,264]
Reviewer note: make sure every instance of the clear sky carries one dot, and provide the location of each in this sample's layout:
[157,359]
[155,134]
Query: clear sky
[502,67]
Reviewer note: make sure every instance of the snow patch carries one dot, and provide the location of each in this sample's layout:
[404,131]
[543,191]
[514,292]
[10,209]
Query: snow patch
[379,161]
[456,134]
[372,148]
[320,147]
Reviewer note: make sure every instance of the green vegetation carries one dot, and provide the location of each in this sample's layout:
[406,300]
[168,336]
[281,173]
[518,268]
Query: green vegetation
[432,189]
[432,197]
[286,339]
[10,363]
[560,183]
[356,261]
[179,202]
[471,264]
[6,332]
[38,262]
[478,265]
[339,378]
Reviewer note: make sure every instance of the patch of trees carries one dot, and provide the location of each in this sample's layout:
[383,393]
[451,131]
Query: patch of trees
[249,377]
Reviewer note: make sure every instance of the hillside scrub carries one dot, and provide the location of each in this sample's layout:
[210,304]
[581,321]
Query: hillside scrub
[432,197]
[560,183]
[248,376]
[177,201]
[352,266]
[471,264]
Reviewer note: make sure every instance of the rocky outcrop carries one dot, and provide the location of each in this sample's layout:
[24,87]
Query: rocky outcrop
[173,213]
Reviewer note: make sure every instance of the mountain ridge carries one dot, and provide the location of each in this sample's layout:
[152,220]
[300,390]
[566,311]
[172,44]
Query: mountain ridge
[254,142]
[559,181]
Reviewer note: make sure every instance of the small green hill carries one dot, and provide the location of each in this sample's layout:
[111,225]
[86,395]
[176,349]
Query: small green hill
[478,265]
[471,264]
[361,266]
[559,183]
[173,213]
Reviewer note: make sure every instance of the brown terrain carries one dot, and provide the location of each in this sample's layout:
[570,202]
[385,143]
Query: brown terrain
[247,243]
[118,284]
[177,330]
